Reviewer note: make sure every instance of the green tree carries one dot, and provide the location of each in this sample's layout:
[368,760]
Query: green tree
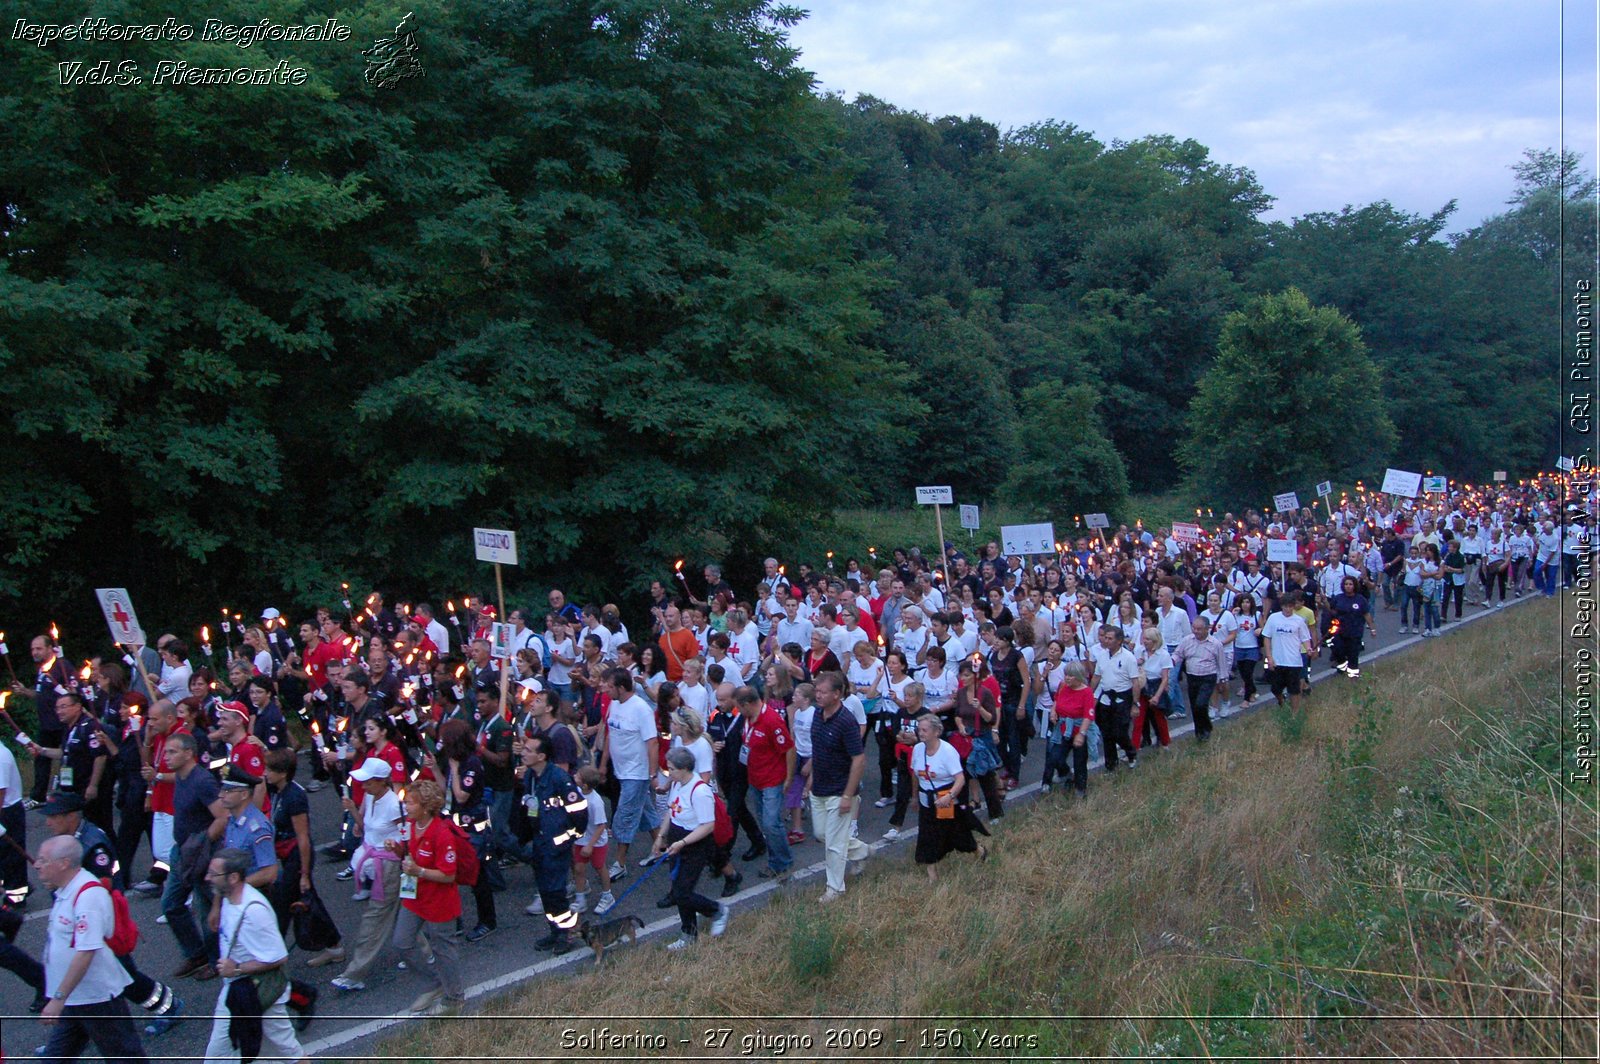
[1292,398]
[1066,464]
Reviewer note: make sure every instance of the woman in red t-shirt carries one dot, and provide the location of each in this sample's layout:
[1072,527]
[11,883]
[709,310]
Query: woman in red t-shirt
[379,734]
[430,901]
[1069,725]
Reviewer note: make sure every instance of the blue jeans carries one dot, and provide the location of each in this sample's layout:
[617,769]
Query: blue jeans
[1544,577]
[1175,701]
[636,808]
[1410,603]
[767,804]
[173,905]
[105,1023]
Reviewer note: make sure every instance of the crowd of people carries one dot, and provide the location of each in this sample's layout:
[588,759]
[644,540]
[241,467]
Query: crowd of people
[590,753]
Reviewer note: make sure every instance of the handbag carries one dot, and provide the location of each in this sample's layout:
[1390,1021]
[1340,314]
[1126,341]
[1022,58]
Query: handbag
[943,812]
[271,983]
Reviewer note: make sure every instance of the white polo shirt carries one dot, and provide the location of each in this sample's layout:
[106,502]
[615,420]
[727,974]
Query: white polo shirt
[80,923]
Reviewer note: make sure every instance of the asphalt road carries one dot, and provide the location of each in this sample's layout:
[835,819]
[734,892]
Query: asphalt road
[349,1024]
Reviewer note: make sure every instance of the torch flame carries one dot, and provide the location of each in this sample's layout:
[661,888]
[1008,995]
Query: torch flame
[450,605]
[83,673]
[677,566]
[205,634]
[55,633]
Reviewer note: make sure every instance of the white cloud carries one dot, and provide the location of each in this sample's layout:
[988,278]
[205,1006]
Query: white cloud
[1329,101]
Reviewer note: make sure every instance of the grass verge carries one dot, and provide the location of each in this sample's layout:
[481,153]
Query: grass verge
[1389,876]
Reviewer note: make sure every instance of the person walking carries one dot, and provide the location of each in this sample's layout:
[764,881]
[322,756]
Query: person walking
[687,836]
[430,900]
[252,1011]
[84,981]
[944,821]
[838,759]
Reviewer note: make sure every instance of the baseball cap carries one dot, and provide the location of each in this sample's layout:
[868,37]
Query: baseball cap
[235,707]
[373,768]
[531,684]
[62,802]
[270,614]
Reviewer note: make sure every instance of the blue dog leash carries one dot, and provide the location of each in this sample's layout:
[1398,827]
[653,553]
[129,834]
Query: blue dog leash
[655,864]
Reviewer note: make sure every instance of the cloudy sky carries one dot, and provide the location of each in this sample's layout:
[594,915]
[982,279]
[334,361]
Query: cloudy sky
[1330,102]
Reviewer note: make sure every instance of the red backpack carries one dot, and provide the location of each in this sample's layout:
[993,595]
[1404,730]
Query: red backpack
[467,866]
[722,826]
[124,932]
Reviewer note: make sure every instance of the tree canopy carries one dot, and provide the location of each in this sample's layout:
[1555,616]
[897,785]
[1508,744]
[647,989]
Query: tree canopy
[615,276]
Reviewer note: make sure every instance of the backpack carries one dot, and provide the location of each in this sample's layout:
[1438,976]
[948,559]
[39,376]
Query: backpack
[467,864]
[124,932]
[722,824]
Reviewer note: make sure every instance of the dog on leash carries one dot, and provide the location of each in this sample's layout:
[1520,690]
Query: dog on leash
[598,936]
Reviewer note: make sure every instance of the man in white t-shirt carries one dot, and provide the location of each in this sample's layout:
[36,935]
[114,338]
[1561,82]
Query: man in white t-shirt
[250,945]
[1546,556]
[743,645]
[632,744]
[1286,643]
[83,978]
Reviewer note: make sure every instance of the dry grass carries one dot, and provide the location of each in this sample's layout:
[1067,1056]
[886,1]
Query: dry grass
[1205,906]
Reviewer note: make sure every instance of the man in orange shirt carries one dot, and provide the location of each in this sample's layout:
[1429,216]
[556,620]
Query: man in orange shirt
[677,643]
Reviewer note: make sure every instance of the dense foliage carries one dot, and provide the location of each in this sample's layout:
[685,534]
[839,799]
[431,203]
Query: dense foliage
[613,275]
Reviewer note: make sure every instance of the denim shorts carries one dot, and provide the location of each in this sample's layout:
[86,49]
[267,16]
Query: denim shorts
[636,808]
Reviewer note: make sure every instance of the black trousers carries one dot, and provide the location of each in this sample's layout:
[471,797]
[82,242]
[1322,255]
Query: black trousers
[692,860]
[736,787]
[1200,688]
[885,735]
[134,826]
[1114,718]
[106,1024]
[902,795]
[1347,648]
[1457,592]
[1013,738]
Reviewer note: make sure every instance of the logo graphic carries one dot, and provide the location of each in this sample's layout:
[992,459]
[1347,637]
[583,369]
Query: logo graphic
[391,60]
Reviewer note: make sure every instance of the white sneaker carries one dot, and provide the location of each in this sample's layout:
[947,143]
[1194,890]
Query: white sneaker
[855,868]
[579,903]
[617,871]
[883,803]
[161,919]
[830,895]
[536,909]
[347,985]
[1044,788]
[361,895]
[644,862]
[605,904]
[719,923]
[891,834]
[682,942]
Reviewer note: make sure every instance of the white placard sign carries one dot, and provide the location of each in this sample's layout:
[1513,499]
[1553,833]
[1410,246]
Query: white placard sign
[969,516]
[1097,520]
[1286,502]
[120,618]
[1282,550]
[1324,488]
[1028,539]
[1566,465]
[500,640]
[939,495]
[1186,532]
[1399,482]
[1500,476]
[495,545]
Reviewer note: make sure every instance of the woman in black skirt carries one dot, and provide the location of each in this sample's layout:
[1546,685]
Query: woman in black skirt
[944,821]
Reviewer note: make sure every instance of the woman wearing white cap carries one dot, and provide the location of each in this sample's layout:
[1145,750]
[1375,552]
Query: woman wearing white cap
[377,816]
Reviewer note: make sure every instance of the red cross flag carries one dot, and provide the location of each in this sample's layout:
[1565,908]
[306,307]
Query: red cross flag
[120,618]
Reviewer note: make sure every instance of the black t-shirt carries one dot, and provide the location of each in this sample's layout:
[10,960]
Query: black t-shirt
[85,743]
[270,727]
[471,783]
[288,803]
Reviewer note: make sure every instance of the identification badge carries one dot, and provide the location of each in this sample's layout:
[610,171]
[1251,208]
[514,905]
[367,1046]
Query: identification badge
[530,803]
[744,755]
[65,779]
[408,887]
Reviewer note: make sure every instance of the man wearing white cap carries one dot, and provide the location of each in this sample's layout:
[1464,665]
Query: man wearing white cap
[377,821]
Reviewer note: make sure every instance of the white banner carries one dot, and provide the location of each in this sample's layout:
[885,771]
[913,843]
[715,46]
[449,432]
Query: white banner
[1500,476]
[120,618]
[969,516]
[495,545]
[1324,488]
[1401,483]
[1097,520]
[1028,539]
[1286,503]
[939,495]
[1186,532]
[1282,550]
